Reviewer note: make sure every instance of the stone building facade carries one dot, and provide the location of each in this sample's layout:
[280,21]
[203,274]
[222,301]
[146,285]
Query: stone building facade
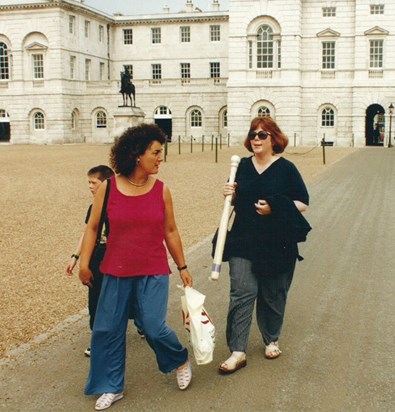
[319,67]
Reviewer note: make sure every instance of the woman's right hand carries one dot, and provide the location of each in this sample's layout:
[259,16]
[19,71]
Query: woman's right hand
[86,277]
[229,189]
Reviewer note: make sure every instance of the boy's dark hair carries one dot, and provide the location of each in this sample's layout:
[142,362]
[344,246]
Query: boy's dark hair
[103,171]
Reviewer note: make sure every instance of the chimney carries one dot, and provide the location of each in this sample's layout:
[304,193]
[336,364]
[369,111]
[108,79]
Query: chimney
[166,9]
[215,5]
[189,6]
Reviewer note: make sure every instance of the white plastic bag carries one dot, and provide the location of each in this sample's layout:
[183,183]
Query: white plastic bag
[198,324]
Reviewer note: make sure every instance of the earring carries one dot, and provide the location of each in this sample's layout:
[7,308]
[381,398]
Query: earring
[137,161]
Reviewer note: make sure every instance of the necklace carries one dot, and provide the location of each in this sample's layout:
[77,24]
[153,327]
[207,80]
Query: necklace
[137,184]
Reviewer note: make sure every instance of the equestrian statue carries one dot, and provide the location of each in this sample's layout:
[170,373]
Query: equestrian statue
[127,89]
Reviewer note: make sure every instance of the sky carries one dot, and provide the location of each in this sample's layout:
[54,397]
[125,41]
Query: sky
[133,7]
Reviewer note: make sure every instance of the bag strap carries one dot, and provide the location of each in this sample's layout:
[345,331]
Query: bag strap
[103,213]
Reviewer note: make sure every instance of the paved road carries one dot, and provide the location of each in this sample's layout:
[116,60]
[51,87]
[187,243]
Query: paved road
[337,340]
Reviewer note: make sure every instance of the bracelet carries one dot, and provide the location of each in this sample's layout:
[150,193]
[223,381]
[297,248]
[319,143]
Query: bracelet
[180,268]
[76,257]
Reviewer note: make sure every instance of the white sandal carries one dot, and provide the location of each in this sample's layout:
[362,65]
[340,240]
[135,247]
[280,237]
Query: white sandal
[107,399]
[272,350]
[184,375]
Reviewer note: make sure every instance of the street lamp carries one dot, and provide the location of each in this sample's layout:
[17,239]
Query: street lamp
[391,112]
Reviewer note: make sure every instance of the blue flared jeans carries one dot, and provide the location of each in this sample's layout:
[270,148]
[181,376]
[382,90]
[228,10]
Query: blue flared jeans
[249,284]
[108,345]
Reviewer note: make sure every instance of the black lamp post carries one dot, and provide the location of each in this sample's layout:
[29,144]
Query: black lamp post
[391,112]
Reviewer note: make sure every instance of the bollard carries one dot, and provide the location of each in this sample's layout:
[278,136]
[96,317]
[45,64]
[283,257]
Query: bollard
[203,143]
[165,157]
[323,149]
[216,150]
[294,139]
[179,144]
[191,144]
[220,141]
[228,139]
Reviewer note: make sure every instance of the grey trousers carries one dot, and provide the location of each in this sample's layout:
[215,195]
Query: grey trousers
[270,292]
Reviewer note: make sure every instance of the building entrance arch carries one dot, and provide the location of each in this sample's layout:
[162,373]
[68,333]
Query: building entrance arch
[375,125]
[5,127]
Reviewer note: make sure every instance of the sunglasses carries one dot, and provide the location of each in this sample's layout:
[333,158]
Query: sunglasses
[261,135]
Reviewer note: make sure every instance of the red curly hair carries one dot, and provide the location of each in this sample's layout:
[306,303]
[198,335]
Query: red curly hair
[279,140]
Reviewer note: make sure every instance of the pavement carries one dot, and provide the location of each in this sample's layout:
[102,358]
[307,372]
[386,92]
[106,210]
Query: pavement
[337,339]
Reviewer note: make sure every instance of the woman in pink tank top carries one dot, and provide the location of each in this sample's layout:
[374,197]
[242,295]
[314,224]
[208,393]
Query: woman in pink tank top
[135,266]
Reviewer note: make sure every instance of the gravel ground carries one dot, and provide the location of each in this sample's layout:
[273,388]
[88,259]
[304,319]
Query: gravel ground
[44,197]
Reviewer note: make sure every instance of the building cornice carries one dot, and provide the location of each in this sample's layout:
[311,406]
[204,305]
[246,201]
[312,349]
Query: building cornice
[117,20]
[170,19]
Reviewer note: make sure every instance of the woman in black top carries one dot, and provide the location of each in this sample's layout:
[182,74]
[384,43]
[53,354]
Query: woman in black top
[268,196]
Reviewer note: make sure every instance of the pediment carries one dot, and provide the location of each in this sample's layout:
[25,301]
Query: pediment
[376,31]
[36,46]
[328,33]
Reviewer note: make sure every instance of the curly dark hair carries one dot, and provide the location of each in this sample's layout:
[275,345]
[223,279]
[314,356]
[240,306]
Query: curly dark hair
[131,144]
[279,140]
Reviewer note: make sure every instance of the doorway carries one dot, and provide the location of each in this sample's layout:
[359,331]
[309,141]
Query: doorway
[164,120]
[5,127]
[375,125]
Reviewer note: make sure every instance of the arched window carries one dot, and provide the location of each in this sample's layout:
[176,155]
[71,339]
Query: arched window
[163,110]
[263,111]
[225,119]
[265,47]
[38,121]
[4,63]
[74,120]
[101,120]
[196,118]
[327,117]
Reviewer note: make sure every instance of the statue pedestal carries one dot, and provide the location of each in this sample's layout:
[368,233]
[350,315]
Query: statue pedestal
[126,116]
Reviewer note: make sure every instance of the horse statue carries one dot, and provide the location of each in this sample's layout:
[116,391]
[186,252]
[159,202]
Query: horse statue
[127,89]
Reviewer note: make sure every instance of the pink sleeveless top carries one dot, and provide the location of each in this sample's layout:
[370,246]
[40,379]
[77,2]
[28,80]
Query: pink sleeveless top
[135,245]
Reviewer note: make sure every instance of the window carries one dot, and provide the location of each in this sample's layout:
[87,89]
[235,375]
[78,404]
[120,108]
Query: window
[72,24]
[185,34]
[328,55]
[250,55]
[265,45]
[87,28]
[185,72]
[215,70]
[376,54]
[101,33]
[225,119]
[87,69]
[215,32]
[101,120]
[4,64]
[72,67]
[74,120]
[129,68]
[128,36]
[156,35]
[38,121]
[38,66]
[377,9]
[329,12]
[263,111]
[101,70]
[157,72]
[328,117]
[196,118]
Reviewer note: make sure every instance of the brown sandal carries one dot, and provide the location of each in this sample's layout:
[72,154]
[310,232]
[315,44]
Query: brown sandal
[233,364]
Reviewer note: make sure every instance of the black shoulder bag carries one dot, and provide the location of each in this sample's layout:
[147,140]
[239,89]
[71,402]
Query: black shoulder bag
[100,248]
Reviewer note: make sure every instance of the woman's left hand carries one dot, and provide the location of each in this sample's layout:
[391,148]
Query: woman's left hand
[186,277]
[263,208]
